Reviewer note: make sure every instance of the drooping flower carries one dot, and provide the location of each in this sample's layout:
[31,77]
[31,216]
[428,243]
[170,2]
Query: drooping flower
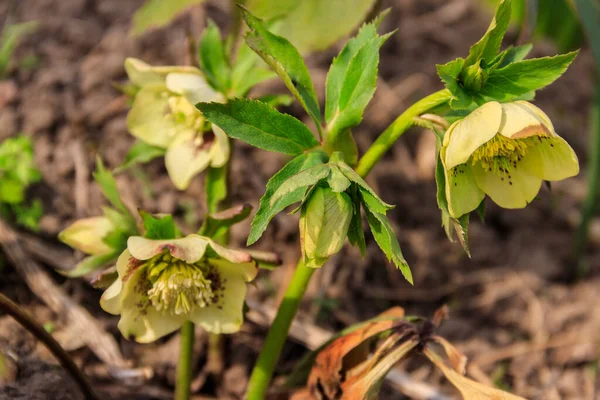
[504,151]
[163,283]
[163,115]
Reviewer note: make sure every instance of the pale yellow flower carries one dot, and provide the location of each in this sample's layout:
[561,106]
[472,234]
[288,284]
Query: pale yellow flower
[163,115]
[163,283]
[504,151]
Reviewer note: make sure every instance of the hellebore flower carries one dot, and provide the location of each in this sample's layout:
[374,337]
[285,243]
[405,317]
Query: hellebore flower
[324,223]
[163,115]
[163,283]
[504,151]
[87,235]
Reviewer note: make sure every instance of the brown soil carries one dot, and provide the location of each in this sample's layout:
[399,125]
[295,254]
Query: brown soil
[515,308]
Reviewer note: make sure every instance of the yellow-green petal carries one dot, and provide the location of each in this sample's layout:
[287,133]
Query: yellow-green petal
[551,159]
[147,120]
[189,249]
[226,315]
[86,235]
[514,189]
[537,111]
[110,301]
[520,121]
[471,132]
[462,193]
[140,73]
[219,151]
[185,158]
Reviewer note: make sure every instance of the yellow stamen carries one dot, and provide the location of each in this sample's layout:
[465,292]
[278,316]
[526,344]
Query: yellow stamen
[501,153]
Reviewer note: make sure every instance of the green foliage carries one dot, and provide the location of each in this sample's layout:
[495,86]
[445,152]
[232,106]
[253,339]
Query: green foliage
[286,61]
[159,227]
[107,183]
[216,224]
[213,58]
[9,40]
[216,187]
[247,71]
[140,153]
[158,13]
[486,75]
[296,19]
[267,209]
[352,78]
[260,125]
[17,172]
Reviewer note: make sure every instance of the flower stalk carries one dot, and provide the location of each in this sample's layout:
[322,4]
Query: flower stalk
[184,365]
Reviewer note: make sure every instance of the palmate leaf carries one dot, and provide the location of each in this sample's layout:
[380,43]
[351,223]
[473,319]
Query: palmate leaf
[352,78]
[266,211]
[286,61]
[260,125]
[519,78]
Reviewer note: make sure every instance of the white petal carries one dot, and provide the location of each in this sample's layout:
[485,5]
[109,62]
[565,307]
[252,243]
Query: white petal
[219,151]
[520,121]
[471,132]
[514,189]
[192,86]
[189,249]
[147,118]
[551,159]
[226,315]
[185,159]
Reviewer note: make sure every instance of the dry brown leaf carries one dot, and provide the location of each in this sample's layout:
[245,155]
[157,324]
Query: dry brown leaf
[455,356]
[469,389]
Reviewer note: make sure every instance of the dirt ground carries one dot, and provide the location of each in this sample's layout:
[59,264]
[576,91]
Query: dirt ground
[518,309]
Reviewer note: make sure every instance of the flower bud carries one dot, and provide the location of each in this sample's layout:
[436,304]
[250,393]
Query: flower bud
[324,224]
[87,235]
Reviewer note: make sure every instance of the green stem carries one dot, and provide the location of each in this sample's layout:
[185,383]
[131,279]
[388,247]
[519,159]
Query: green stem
[397,128]
[184,366]
[265,365]
[269,355]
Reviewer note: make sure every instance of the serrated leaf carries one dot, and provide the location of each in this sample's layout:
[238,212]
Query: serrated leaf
[158,13]
[337,181]
[260,125]
[297,19]
[286,61]
[158,228]
[107,183]
[386,240]
[140,153]
[449,73]
[373,199]
[266,211]
[373,203]
[213,58]
[488,46]
[514,54]
[215,223]
[519,78]
[303,179]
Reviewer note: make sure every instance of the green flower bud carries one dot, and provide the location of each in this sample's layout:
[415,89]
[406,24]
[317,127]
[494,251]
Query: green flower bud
[324,223]
[474,77]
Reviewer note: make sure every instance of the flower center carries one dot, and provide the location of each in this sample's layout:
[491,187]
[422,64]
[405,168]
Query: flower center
[184,115]
[177,287]
[500,154]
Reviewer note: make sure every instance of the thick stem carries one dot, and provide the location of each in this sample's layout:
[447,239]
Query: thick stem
[184,366]
[397,128]
[269,355]
[55,348]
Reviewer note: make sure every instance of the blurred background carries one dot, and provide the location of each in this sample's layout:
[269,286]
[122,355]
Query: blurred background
[523,308]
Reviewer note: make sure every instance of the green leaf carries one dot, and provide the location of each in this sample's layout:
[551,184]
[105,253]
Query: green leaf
[9,40]
[158,13]
[386,240]
[116,239]
[213,58]
[215,187]
[450,75]
[158,228]
[91,264]
[107,183]
[29,216]
[337,181]
[307,177]
[514,54]
[344,143]
[11,191]
[140,153]
[352,77]
[488,46]
[276,100]
[286,61]
[517,79]
[215,224]
[247,72]
[373,203]
[373,199]
[356,235]
[298,19]
[260,125]
[266,211]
